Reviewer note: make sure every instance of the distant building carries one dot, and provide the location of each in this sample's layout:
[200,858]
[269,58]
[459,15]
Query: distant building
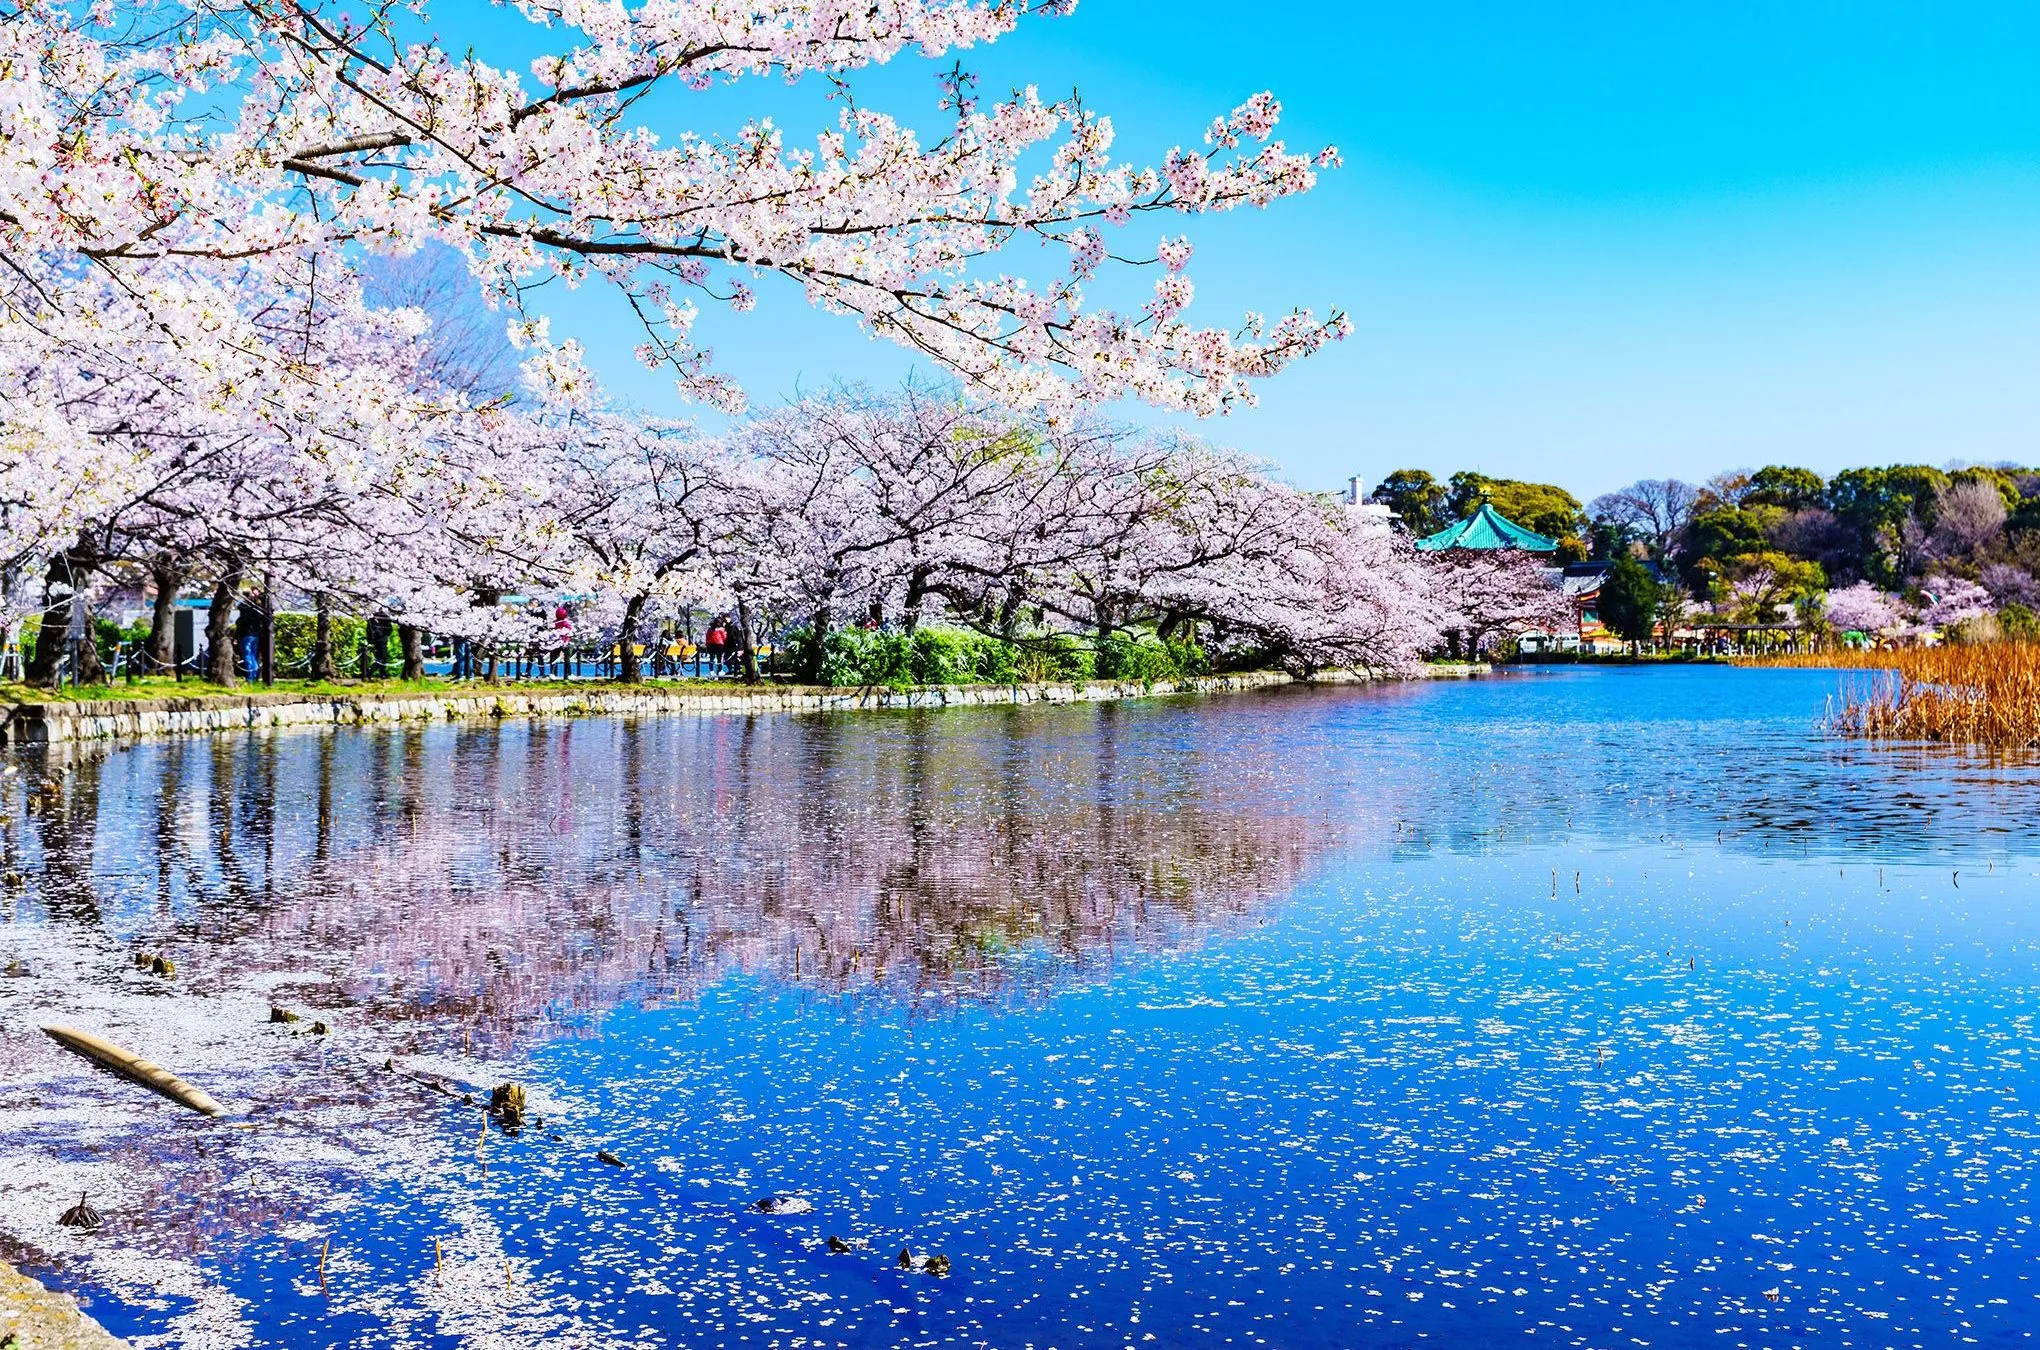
[1582,582]
[1487,528]
[1372,512]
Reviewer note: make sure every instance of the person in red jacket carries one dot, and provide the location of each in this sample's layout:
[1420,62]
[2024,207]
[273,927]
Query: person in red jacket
[716,643]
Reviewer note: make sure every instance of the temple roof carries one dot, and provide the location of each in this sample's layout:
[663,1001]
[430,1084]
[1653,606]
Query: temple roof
[1487,528]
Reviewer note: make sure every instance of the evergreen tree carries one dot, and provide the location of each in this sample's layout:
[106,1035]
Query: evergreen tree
[1629,601]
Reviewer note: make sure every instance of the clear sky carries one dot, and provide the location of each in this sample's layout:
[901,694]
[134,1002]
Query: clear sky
[1582,242]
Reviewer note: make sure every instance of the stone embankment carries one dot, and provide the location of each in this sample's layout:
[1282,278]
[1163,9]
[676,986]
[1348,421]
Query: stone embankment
[89,720]
[127,719]
[33,1318]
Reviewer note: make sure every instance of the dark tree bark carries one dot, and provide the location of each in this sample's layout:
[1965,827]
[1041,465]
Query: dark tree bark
[627,670]
[89,670]
[46,662]
[412,641]
[1009,613]
[323,666]
[809,668]
[267,645]
[750,647]
[69,572]
[166,570]
[1103,619]
[917,592]
[222,662]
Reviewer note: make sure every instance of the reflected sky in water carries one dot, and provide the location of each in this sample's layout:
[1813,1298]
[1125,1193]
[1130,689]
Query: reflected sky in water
[1577,1008]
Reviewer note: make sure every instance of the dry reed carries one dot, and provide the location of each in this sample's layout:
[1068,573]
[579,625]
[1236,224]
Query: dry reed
[1984,693]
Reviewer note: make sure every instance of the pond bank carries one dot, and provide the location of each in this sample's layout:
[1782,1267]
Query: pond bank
[57,723]
[33,1318]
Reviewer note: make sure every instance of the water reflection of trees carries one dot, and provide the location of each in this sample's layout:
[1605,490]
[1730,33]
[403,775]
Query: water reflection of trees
[514,872]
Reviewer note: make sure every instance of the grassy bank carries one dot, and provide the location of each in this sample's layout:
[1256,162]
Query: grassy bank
[1985,693]
[165,687]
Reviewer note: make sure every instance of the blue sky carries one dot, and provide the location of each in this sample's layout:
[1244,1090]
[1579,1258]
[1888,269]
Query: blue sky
[1584,242]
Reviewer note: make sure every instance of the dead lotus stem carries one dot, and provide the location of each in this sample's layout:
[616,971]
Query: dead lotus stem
[1985,693]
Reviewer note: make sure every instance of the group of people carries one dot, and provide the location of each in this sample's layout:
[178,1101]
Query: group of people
[554,655]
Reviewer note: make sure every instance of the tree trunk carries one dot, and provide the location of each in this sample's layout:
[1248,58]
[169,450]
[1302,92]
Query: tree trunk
[88,669]
[1101,618]
[46,665]
[267,646]
[627,671]
[412,641]
[166,570]
[323,666]
[744,636]
[917,591]
[810,670]
[222,662]
[1009,613]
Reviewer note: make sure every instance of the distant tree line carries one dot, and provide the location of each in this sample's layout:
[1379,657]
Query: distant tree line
[1889,552]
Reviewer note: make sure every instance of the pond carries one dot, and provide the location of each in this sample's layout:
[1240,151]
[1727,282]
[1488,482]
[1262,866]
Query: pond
[1593,1007]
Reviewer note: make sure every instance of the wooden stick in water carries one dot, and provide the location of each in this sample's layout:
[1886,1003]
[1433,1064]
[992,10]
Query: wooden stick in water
[134,1068]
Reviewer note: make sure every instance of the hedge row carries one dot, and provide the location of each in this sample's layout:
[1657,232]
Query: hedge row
[938,655]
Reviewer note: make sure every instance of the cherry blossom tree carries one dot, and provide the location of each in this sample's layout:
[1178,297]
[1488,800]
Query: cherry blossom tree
[1484,593]
[1862,608]
[1952,601]
[344,130]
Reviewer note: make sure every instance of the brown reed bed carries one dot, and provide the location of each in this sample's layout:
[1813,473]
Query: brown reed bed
[1982,693]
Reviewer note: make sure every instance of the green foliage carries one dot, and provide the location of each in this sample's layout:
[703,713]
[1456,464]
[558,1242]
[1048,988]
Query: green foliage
[1418,498]
[2017,621]
[109,637]
[1717,542]
[1629,601]
[856,656]
[937,655]
[1870,499]
[1543,507]
[1783,486]
[295,634]
[1148,659]
[1060,656]
[2007,485]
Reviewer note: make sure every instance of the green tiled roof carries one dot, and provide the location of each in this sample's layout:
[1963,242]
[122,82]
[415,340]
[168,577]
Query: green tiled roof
[1488,528]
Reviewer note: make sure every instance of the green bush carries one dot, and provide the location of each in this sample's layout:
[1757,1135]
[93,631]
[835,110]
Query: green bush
[859,656]
[946,656]
[295,634]
[933,655]
[2018,621]
[937,655]
[1060,656]
[1148,659]
[108,636]
[997,661]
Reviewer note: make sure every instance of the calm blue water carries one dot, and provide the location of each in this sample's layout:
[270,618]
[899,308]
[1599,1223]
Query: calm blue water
[1591,1008]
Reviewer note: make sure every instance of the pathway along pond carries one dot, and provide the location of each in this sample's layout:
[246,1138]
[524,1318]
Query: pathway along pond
[1586,1008]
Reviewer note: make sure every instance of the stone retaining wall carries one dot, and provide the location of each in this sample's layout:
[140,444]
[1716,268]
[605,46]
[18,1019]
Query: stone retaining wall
[110,720]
